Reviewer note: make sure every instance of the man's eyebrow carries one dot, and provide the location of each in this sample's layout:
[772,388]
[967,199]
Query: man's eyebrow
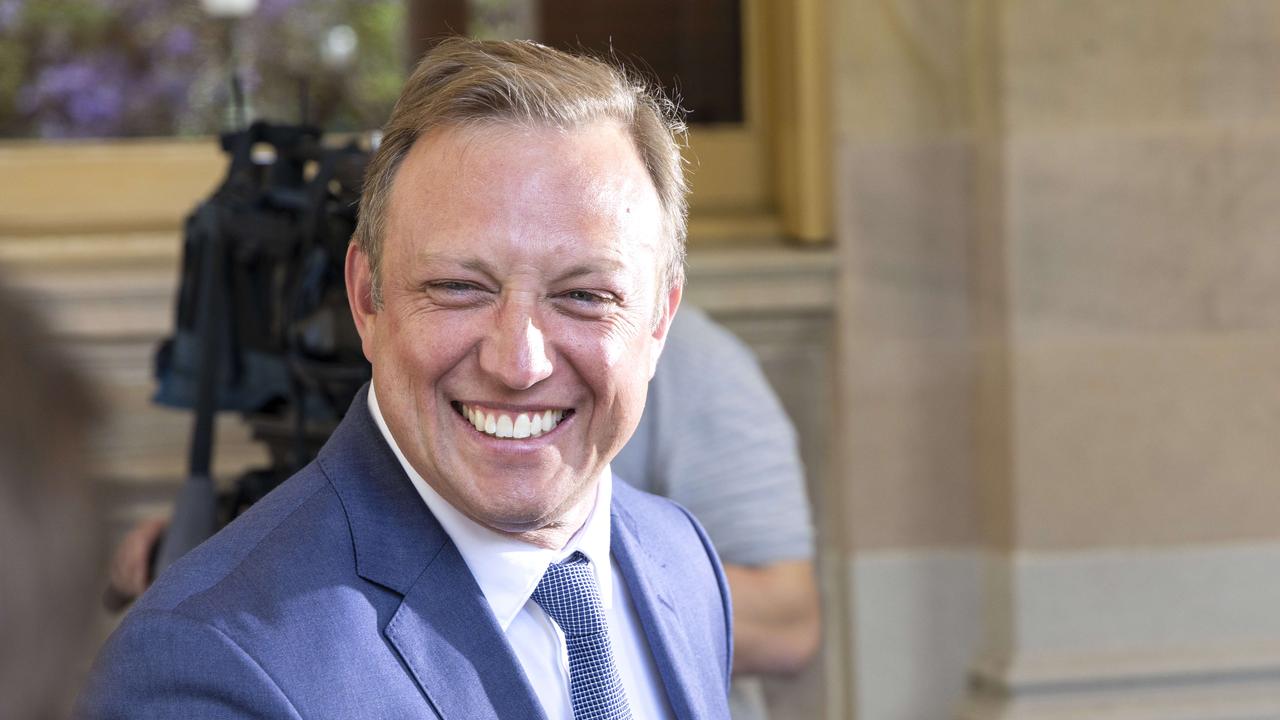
[479,265]
[597,266]
[474,264]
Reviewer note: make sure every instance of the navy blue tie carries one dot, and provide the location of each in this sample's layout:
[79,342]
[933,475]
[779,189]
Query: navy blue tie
[568,593]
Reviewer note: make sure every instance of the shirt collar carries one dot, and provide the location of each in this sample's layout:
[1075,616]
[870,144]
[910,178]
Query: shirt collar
[507,570]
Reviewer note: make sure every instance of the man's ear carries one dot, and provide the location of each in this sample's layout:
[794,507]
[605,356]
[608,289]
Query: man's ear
[663,326]
[359,278]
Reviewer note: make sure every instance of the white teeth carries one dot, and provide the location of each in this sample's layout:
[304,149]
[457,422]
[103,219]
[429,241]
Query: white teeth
[521,429]
[523,425]
[504,426]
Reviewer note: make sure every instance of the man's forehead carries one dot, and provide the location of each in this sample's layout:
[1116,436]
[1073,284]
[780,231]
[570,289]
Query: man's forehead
[456,166]
[464,139]
[592,264]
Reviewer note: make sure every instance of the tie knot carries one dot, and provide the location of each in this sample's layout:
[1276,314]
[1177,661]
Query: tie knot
[569,594]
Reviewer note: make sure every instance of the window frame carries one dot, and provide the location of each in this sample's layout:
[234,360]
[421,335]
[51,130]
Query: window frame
[767,178]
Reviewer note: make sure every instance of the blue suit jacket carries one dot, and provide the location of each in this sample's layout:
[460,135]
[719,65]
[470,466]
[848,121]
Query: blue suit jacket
[340,596]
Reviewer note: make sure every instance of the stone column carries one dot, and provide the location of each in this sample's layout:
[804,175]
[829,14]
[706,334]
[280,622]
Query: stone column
[1060,356]
[905,427]
[1131,308]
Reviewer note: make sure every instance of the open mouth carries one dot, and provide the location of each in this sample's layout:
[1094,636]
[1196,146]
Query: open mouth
[503,424]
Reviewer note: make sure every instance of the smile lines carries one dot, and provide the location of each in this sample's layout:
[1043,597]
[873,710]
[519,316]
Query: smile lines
[503,425]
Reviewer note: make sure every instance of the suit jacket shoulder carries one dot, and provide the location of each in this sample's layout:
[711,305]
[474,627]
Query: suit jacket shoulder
[269,618]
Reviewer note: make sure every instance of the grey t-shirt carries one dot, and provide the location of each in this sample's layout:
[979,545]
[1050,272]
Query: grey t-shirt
[715,439]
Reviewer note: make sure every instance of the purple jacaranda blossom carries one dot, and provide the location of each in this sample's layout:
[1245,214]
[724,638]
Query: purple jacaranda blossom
[150,105]
[275,9]
[155,67]
[169,88]
[179,42]
[80,98]
[10,13]
[54,82]
[139,10]
[96,110]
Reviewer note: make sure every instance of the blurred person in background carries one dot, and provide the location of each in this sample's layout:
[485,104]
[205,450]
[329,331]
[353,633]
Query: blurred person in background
[49,533]
[715,438]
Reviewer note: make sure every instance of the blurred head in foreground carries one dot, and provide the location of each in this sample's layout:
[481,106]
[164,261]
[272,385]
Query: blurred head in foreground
[49,544]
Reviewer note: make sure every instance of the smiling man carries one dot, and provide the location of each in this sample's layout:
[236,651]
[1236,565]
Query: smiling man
[517,318]
[460,548]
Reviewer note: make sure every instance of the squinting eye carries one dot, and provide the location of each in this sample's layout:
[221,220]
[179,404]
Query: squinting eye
[455,286]
[586,296]
[456,293]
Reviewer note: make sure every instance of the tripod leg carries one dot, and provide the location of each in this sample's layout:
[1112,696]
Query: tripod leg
[196,508]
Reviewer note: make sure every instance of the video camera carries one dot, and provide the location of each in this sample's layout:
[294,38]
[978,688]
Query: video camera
[263,327]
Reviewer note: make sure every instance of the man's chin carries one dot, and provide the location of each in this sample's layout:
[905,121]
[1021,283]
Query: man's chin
[538,509]
[514,521]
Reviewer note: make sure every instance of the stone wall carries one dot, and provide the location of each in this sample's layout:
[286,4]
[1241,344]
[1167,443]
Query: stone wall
[1061,364]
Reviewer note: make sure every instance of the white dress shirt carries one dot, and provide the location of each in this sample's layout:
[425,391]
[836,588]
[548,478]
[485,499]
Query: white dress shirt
[507,571]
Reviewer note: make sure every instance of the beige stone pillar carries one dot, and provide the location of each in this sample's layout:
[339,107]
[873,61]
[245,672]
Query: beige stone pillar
[1131,315]
[905,432]
[1060,356]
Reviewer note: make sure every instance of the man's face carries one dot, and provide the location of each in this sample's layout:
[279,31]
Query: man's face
[517,334]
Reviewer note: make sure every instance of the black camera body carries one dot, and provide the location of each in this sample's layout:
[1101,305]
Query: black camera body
[262,325]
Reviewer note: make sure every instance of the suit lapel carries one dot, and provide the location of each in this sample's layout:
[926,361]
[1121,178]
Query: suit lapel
[655,602]
[443,629]
[448,638]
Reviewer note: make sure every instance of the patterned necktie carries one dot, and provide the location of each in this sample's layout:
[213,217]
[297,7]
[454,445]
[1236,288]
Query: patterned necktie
[568,593]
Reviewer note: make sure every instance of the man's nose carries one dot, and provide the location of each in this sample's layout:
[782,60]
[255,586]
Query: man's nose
[516,352]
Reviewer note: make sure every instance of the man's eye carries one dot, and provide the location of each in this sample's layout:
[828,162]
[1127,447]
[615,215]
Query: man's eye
[588,297]
[455,286]
[455,293]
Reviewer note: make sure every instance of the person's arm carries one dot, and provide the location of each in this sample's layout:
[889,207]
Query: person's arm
[716,439]
[776,618]
[130,574]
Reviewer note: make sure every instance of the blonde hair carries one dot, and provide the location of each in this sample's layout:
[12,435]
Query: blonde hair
[464,82]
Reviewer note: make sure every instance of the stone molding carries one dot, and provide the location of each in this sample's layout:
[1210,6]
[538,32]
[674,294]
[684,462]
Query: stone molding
[1159,688]
[1176,633]
[913,630]
[762,279]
